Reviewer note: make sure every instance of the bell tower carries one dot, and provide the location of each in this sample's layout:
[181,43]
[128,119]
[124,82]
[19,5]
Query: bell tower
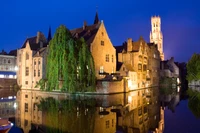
[156,34]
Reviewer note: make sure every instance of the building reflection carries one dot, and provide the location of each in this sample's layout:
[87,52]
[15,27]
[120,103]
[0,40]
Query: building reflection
[135,112]
[170,97]
[7,103]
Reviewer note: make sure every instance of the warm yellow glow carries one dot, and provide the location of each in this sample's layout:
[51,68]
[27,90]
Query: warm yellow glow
[178,89]
[178,81]
[129,99]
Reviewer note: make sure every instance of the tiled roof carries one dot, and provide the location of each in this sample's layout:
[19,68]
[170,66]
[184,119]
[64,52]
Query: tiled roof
[33,43]
[40,52]
[88,32]
[13,52]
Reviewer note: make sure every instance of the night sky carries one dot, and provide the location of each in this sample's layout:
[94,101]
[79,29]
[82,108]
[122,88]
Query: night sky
[123,19]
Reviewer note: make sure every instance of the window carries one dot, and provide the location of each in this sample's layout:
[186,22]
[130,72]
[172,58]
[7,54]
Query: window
[102,33]
[145,59]
[112,58]
[112,122]
[107,124]
[26,82]
[34,106]
[38,73]
[27,56]
[139,66]
[26,107]
[144,67]
[26,96]
[101,69]
[39,64]
[102,43]
[25,122]
[4,60]
[139,111]
[145,109]
[34,73]
[27,71]
[9,61]
[107,57]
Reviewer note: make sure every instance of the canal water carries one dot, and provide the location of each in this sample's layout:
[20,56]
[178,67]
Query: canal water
[162,110]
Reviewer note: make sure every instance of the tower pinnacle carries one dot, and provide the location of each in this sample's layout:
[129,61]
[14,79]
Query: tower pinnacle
[49,35]
[156,34]
[96,19]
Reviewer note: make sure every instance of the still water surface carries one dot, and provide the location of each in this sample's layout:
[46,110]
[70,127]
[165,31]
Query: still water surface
[142,111]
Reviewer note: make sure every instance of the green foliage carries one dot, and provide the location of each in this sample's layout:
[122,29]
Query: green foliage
[41,84]
[70,66]
[16,87]
[65,116]
[193,68]
[194,102]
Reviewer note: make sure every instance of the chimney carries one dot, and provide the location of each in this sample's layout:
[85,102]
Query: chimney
[84,25]
[41,44]
[129,44]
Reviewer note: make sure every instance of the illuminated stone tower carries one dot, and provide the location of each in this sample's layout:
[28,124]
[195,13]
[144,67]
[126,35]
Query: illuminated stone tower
[156,34]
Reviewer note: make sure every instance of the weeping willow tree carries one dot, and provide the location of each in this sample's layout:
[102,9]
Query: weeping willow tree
[194,102]
[193,68]
[86,72]
[70,66]
[64,116]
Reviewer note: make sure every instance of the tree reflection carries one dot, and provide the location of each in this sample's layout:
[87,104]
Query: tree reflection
[194,102]
[66,116]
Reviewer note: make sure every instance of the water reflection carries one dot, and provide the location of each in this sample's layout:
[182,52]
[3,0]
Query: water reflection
[194,100]
[135,112]
[7,103]
[170,97]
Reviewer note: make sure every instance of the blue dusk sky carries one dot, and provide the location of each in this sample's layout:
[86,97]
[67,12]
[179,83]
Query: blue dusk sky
[123,19]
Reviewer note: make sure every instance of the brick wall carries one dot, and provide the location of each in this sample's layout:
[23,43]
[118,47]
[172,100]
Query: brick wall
[7,82]
[110,86]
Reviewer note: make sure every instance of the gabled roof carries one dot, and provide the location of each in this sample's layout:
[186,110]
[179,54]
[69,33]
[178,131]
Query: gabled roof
[40,52]
[87,32]
[13,52]
[34,45]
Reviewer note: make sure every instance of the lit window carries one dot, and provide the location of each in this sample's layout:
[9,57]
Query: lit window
[101,69]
